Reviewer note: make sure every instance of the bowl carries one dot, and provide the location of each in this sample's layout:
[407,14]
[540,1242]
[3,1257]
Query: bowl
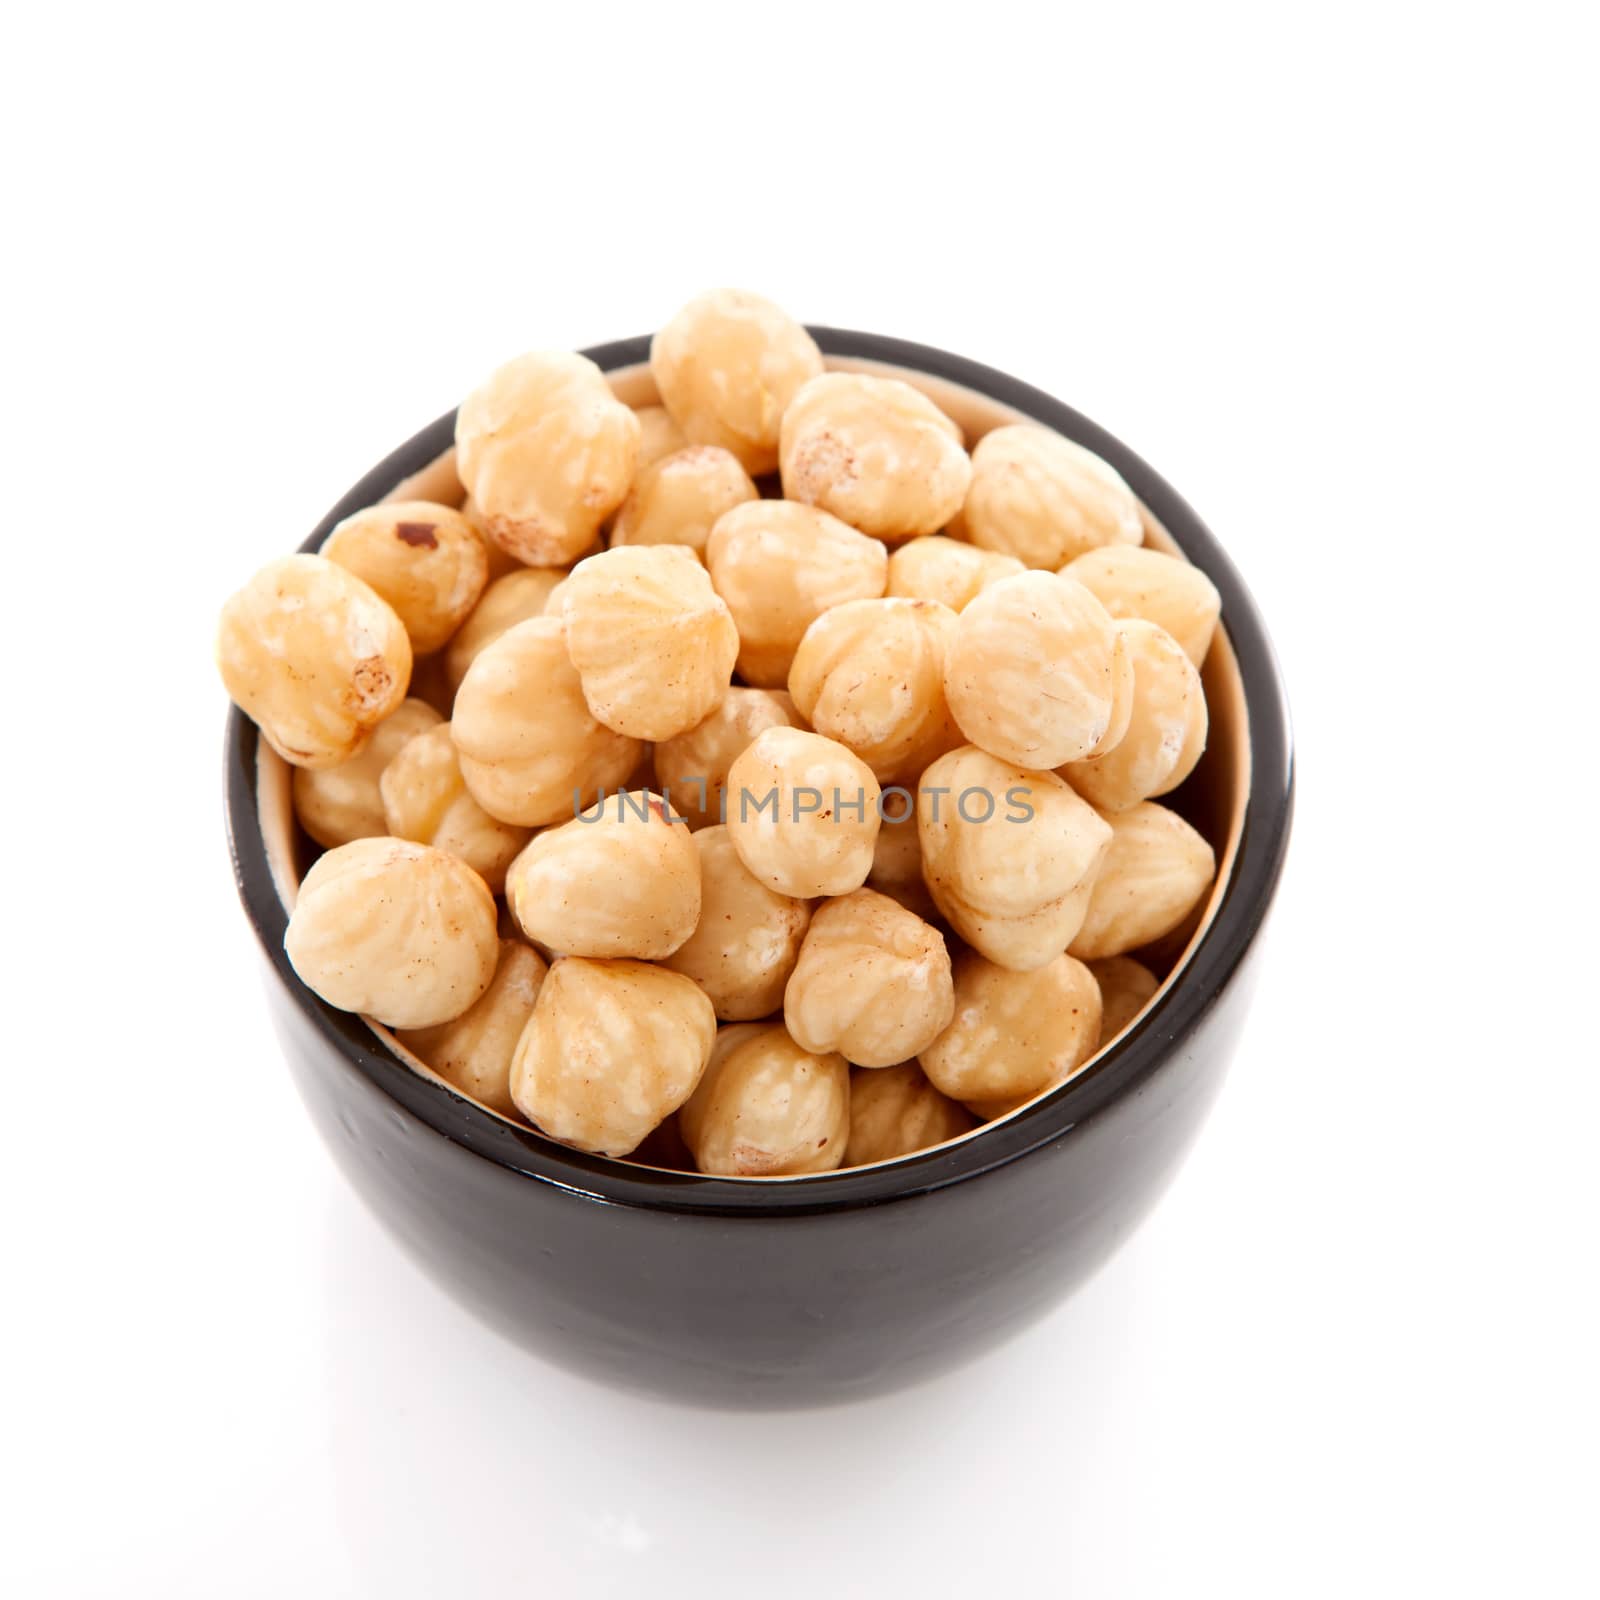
[820,1289]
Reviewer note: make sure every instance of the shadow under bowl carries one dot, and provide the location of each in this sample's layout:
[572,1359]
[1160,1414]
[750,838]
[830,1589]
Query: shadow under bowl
[822,1289]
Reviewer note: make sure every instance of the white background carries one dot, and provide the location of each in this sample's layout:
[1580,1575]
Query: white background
[1337,279]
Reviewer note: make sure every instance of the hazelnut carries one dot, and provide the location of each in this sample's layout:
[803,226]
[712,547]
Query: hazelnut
[659,436]
[895,1111]
[612,1049]
[870,673]
[530,751]
[547,453]
[1166,732]
[507,601]
[425,798]
[727,366]
[623,879]
[1031,674]
[680,497]
[937,568]
[1015,1034]
[394,930]
[803,813]
[426,560]
[897,856]
[314,657]
[872,982]
[338,804]
[473,1053]
[876,453]
[1126,988]
[1155,871]
[766,1108]
[653,644]
[779,566]
[692,767]
[748,937]
[1043,499]
[1010,856]
[1158,588]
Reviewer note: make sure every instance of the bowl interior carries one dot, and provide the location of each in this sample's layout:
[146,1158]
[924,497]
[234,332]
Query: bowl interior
[1213,798]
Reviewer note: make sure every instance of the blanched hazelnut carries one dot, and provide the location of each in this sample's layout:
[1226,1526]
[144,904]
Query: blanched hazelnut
[1031,674]
[1040,497]
[547,453]
[653,644]
[1015,1034]
[936,568]
[530,751]
[680,497]
[1010,856]
[1155,871]
[623,879]
[748,937]
[507,601]
[692,767]
[612,1049]
[1166,732]
[314,657]
[870,673]
[394,930]
[766,1108]
[872,983]
[1126,988]
[427,561]
[659,436]
[895,1111]
[803,813]
[338,804]
[876,453]
[897,856]
[779,566]
[474,1052]
[1158,588]
[425,798]
[727,366]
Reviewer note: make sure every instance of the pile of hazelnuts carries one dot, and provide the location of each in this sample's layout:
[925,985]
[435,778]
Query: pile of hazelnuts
[754,782]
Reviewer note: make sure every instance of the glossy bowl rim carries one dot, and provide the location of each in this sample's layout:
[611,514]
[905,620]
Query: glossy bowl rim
[1159,1032]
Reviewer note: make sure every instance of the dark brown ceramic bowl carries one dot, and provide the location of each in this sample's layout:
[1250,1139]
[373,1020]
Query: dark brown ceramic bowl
[813,1290]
